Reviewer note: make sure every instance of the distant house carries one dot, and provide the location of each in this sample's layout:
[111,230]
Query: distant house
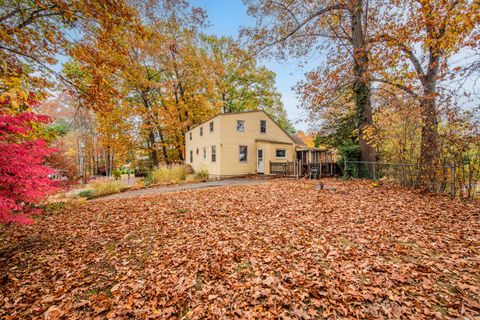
[251,142]
[238,143]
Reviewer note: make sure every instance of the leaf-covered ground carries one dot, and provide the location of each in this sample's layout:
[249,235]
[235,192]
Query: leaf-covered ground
[279,250]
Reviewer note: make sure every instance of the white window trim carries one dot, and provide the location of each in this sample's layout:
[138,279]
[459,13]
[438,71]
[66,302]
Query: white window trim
[211,126]
[211,156]
[281,157]
[260,128]
[244,126]
[242,161]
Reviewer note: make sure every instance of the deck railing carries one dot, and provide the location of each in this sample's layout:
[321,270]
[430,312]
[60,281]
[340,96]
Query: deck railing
[311,170]
[282,168]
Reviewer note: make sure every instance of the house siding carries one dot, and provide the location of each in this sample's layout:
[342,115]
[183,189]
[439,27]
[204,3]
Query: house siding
[231,140]
[228,139]
[207,140]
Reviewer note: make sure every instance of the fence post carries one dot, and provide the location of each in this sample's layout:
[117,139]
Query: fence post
[296,168]
[453,169]
[374,172]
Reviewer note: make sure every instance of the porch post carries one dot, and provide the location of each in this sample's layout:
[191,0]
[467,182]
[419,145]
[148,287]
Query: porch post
[320,165]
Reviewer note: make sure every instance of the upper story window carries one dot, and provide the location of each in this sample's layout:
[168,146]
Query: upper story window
[204,152]
[190,135]
[281,153]
[211,126]
[191,156]
[243,150]
[263,126]
[214,154]
[201,131]
[241,125]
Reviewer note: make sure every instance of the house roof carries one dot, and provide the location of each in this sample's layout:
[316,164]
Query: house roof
[299,141]
[241,112]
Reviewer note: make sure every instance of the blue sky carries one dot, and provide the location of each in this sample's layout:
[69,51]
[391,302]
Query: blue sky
[226,17]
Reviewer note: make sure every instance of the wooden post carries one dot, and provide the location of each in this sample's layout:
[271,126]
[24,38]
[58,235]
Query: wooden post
[320,169]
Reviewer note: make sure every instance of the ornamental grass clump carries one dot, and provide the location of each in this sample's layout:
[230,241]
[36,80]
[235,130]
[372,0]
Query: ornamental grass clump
[108,187]
[169,174]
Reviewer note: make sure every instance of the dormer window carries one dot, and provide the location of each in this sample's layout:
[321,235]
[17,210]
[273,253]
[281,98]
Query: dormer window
[240,126]
[263,126]
[201,131]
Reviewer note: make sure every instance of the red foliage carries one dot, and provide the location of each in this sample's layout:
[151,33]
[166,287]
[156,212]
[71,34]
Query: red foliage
[23,176]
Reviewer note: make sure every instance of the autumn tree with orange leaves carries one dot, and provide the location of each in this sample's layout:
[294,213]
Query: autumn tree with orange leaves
[172,78]
[295,28]
[419,39]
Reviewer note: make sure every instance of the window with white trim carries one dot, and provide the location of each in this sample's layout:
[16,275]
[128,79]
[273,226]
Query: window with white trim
[281,153]
[240,125]
[263,126]
[243,153]
[214,154]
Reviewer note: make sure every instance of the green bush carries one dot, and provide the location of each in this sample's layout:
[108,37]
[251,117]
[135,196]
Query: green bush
[351,152]
[168,175]
[117,174]
[108,187]
[202,175]
[86,194]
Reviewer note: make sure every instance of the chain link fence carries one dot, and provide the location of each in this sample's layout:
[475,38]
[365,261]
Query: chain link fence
[455,178]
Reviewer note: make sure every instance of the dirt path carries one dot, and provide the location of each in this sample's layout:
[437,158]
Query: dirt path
[187,186]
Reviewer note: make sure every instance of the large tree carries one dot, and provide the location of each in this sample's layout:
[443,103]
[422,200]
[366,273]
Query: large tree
[173,78]
[34,33]
[419,38]
[297,28]
[242,84]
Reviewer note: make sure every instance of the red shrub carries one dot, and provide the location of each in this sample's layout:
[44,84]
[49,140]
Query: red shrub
[23,176]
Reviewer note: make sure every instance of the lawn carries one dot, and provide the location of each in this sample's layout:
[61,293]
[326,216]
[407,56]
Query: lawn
[279,250]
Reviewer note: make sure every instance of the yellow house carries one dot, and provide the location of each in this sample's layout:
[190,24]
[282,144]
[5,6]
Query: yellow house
[238,143]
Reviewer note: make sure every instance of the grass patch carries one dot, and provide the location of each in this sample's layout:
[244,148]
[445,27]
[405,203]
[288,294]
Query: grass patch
[86,194]
[103,188]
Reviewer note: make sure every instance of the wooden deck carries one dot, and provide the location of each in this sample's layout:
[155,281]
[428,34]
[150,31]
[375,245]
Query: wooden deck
[315,170]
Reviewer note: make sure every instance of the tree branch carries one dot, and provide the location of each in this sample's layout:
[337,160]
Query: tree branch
[397,85]
[409,52]
[310,18]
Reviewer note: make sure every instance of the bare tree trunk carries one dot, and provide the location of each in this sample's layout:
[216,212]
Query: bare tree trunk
[361,87]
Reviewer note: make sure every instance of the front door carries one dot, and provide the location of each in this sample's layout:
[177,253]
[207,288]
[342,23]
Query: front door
[260,161]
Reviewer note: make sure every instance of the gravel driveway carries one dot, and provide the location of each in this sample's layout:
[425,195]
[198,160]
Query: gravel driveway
[187,186]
